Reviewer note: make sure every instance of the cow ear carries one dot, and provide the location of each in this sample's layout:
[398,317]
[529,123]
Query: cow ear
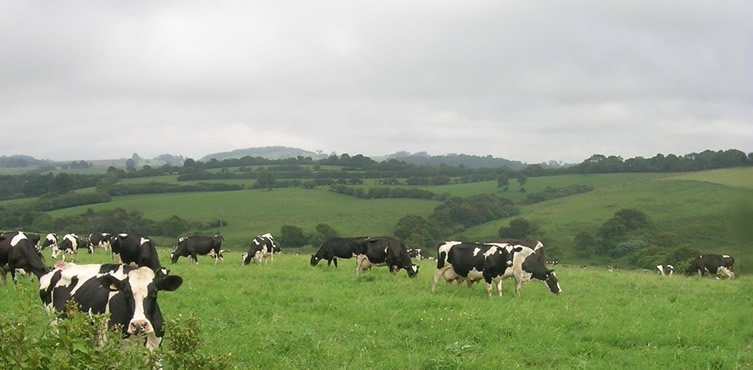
[169,283]
[111,282]
[518,249]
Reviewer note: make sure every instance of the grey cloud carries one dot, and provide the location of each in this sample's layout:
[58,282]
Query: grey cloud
[521,80]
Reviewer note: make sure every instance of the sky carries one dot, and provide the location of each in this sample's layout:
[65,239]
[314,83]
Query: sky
[532,81]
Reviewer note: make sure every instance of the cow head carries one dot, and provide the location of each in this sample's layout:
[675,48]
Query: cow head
[139,290]
[247,258]
[552,283]
[413,270]
[314,260]
[178,251]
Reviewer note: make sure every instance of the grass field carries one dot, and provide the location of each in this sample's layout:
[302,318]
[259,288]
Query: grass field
[288,314]
[700,208]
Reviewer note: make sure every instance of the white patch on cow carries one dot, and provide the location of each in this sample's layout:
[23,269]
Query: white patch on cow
[725,256]
[144,240]
[116,259]
[491,251]
[51,237]
[475,251]
[123,235]
[243,258]
[139,280]
[17,239]
[182,239]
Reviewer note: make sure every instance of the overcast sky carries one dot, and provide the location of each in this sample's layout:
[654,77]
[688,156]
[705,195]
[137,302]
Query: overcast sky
[524,80]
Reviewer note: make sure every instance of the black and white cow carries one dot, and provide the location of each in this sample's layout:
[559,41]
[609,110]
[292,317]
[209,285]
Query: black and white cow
[384,251]
[69,244]
[665,270]
[50,240]
[415,253]
[127,293]
[719,265]
[526,263]
[18,252]
[135,249]
[458,261]
[198,245]
[101,240]
[529,263]
[333,248]
[262,247]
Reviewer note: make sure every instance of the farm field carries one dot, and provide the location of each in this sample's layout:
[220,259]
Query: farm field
[253,212]
[702,209]
[288,314]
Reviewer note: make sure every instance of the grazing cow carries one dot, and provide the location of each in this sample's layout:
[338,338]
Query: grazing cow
[385,250]
[529,263]
[415,253]
[69,245]
[127,293]
[135,249]
[526,263]
[101,240]
[262,246]
[458,261]
[665,270]
[720,265]
[198,245]
[333,248]
[51,240]
[18,252]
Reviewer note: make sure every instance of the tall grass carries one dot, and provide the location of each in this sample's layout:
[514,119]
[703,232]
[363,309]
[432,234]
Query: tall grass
[288,314]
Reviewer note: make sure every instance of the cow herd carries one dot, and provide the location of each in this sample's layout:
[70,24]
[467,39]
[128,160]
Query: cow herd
[127,288]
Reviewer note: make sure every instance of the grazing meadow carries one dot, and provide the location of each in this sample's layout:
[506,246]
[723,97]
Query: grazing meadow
[288,314]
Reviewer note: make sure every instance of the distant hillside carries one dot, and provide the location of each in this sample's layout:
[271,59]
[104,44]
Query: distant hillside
[269,152]
[471,161]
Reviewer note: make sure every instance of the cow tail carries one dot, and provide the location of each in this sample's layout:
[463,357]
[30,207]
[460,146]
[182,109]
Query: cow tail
[440,259]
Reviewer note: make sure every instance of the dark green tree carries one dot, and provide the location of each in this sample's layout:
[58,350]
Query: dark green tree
[584,244]
[518,228]
[292,236]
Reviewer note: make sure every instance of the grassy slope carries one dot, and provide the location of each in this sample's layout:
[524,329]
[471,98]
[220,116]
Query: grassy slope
[700,212]
[290,315]
[252,212]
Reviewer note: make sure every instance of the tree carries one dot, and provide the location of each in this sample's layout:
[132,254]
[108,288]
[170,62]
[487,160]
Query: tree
[321,233]
[503,181]
[266,180]
[584,244]
[522,180]
[417,232]
[292,236]
[519,228]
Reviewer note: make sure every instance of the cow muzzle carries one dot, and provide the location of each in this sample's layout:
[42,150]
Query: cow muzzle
[140,326]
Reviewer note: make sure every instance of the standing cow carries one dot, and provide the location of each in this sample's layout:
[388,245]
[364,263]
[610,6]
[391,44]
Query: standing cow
[101,240]
[385,250]
[333,248]
[719,265]
[458,261]
[135,249]
[198,245]
[529,263]
[128,294]
[262,247]
[69,244]
[665,270]
[18,252]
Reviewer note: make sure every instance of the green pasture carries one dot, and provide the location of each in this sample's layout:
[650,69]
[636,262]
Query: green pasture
[289,315]
[252,212]
[704,215]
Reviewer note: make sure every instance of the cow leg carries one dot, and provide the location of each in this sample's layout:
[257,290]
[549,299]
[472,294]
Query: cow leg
[518,285]
[499,287]
[333,260]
